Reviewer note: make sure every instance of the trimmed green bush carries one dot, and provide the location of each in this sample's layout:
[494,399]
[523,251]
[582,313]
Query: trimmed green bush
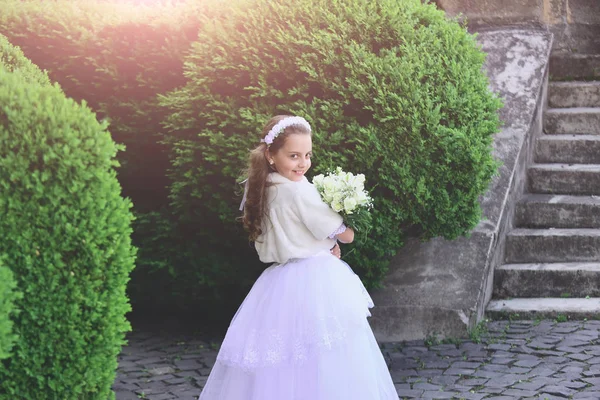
[13,60]
[392,89]
[8,295]
[66,238]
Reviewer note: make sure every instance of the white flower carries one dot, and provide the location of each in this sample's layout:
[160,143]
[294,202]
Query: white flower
[329,185]
[337,206]
[359,182]
[350,204]
[362,198]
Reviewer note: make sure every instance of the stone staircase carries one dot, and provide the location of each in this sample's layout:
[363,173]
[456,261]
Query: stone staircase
[552,256]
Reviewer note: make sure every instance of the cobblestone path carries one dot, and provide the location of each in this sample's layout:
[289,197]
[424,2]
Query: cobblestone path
[513,360]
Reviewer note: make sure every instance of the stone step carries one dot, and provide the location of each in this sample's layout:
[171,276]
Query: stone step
[547,280]
[574,94]
[570,66]
[552,245]
[582,120]
[576,179]
[557,211]
[542,308]
[568,149]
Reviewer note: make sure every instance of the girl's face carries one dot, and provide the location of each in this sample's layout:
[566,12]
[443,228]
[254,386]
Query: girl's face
[293,158]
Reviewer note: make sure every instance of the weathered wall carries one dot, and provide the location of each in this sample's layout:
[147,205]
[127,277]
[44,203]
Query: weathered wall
[574,23]
[494,12]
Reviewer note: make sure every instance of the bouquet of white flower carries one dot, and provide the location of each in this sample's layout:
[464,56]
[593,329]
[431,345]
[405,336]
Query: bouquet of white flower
[345,193]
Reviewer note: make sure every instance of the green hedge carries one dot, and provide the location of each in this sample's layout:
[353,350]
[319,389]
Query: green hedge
[118,57]
[66,236]
[190,270]
[392,88]
[8,295]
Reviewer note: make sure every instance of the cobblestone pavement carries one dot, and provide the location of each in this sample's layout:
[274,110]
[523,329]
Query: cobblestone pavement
[513,360]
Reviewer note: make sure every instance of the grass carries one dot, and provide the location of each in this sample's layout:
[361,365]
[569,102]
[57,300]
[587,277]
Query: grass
[478,331]
[561,318]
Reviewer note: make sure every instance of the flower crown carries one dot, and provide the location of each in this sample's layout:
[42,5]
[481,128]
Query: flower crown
[282,125]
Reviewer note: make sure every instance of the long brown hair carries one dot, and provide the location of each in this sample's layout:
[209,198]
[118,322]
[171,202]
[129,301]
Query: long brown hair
[255,208]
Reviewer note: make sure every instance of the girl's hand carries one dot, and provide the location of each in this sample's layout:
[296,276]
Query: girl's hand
[336,251]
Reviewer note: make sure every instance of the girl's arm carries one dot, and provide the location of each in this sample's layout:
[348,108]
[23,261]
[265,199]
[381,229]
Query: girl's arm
[346,237]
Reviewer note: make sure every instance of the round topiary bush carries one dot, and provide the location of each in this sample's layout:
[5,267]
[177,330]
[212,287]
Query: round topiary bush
[66,238]
[393,89]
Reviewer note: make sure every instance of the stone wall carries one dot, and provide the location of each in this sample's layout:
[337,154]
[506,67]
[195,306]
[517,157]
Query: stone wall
[574,23]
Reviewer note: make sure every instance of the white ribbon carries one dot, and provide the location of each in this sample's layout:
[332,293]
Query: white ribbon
[245,182]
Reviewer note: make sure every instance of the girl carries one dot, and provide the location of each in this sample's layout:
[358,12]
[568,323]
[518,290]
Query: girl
[302,332]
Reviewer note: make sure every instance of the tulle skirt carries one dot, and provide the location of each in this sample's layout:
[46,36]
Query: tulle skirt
[302,334]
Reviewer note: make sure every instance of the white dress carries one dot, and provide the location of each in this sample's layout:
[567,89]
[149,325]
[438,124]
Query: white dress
[302,332]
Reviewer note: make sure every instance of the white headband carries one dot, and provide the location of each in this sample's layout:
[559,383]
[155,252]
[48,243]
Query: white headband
[282,125]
